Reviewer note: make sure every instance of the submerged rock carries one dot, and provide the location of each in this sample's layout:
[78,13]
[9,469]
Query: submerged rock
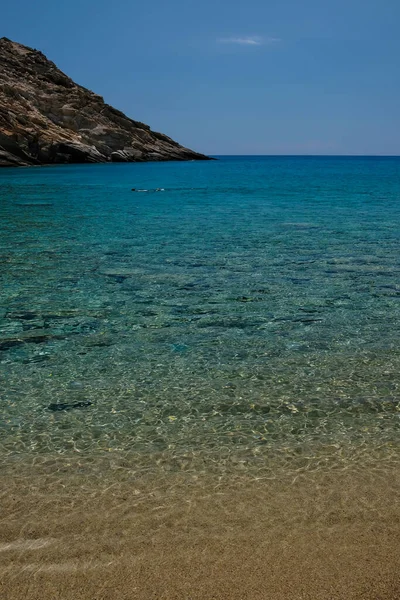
[99,340]
[47,118]
[76,385]
[59,406]
[248,299]
[34,336]
[23,315]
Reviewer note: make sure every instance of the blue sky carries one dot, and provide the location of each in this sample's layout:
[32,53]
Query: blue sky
[229,76]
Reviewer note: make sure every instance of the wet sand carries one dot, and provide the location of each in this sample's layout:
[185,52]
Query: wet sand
[313,534]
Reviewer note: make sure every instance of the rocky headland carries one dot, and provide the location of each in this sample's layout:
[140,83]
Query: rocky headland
[46,118]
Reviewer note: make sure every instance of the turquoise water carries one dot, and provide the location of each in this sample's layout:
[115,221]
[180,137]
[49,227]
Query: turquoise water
[252,307]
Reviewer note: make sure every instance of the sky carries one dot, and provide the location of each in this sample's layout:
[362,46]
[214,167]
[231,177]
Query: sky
[230,76]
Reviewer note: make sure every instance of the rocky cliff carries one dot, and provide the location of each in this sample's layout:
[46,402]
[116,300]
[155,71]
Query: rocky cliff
[46,118]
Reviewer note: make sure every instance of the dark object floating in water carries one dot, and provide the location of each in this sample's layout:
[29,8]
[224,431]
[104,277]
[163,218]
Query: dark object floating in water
[156,190]
[69,405]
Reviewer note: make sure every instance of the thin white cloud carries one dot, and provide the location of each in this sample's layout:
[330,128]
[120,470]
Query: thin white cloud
[253,40]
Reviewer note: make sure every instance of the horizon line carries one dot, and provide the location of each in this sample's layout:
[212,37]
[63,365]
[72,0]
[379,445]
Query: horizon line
[316,155]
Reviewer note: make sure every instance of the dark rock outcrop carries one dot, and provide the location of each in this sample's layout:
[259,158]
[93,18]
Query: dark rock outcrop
[46,118]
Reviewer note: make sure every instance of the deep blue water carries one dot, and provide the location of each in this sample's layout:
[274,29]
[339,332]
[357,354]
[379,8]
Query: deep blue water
[251,307]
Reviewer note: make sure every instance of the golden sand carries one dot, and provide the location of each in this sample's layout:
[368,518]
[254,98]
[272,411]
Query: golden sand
[324,534]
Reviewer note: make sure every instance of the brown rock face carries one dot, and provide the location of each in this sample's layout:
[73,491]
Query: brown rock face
[46,118]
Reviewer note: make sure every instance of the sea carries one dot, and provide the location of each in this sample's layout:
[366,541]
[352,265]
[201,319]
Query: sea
[249,308]
[200,380]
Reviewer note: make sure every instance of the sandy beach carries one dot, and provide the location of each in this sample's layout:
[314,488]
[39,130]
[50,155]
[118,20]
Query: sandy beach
[312,534]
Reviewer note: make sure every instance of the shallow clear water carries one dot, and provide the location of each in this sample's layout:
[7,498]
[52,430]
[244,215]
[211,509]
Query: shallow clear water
[251,307]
